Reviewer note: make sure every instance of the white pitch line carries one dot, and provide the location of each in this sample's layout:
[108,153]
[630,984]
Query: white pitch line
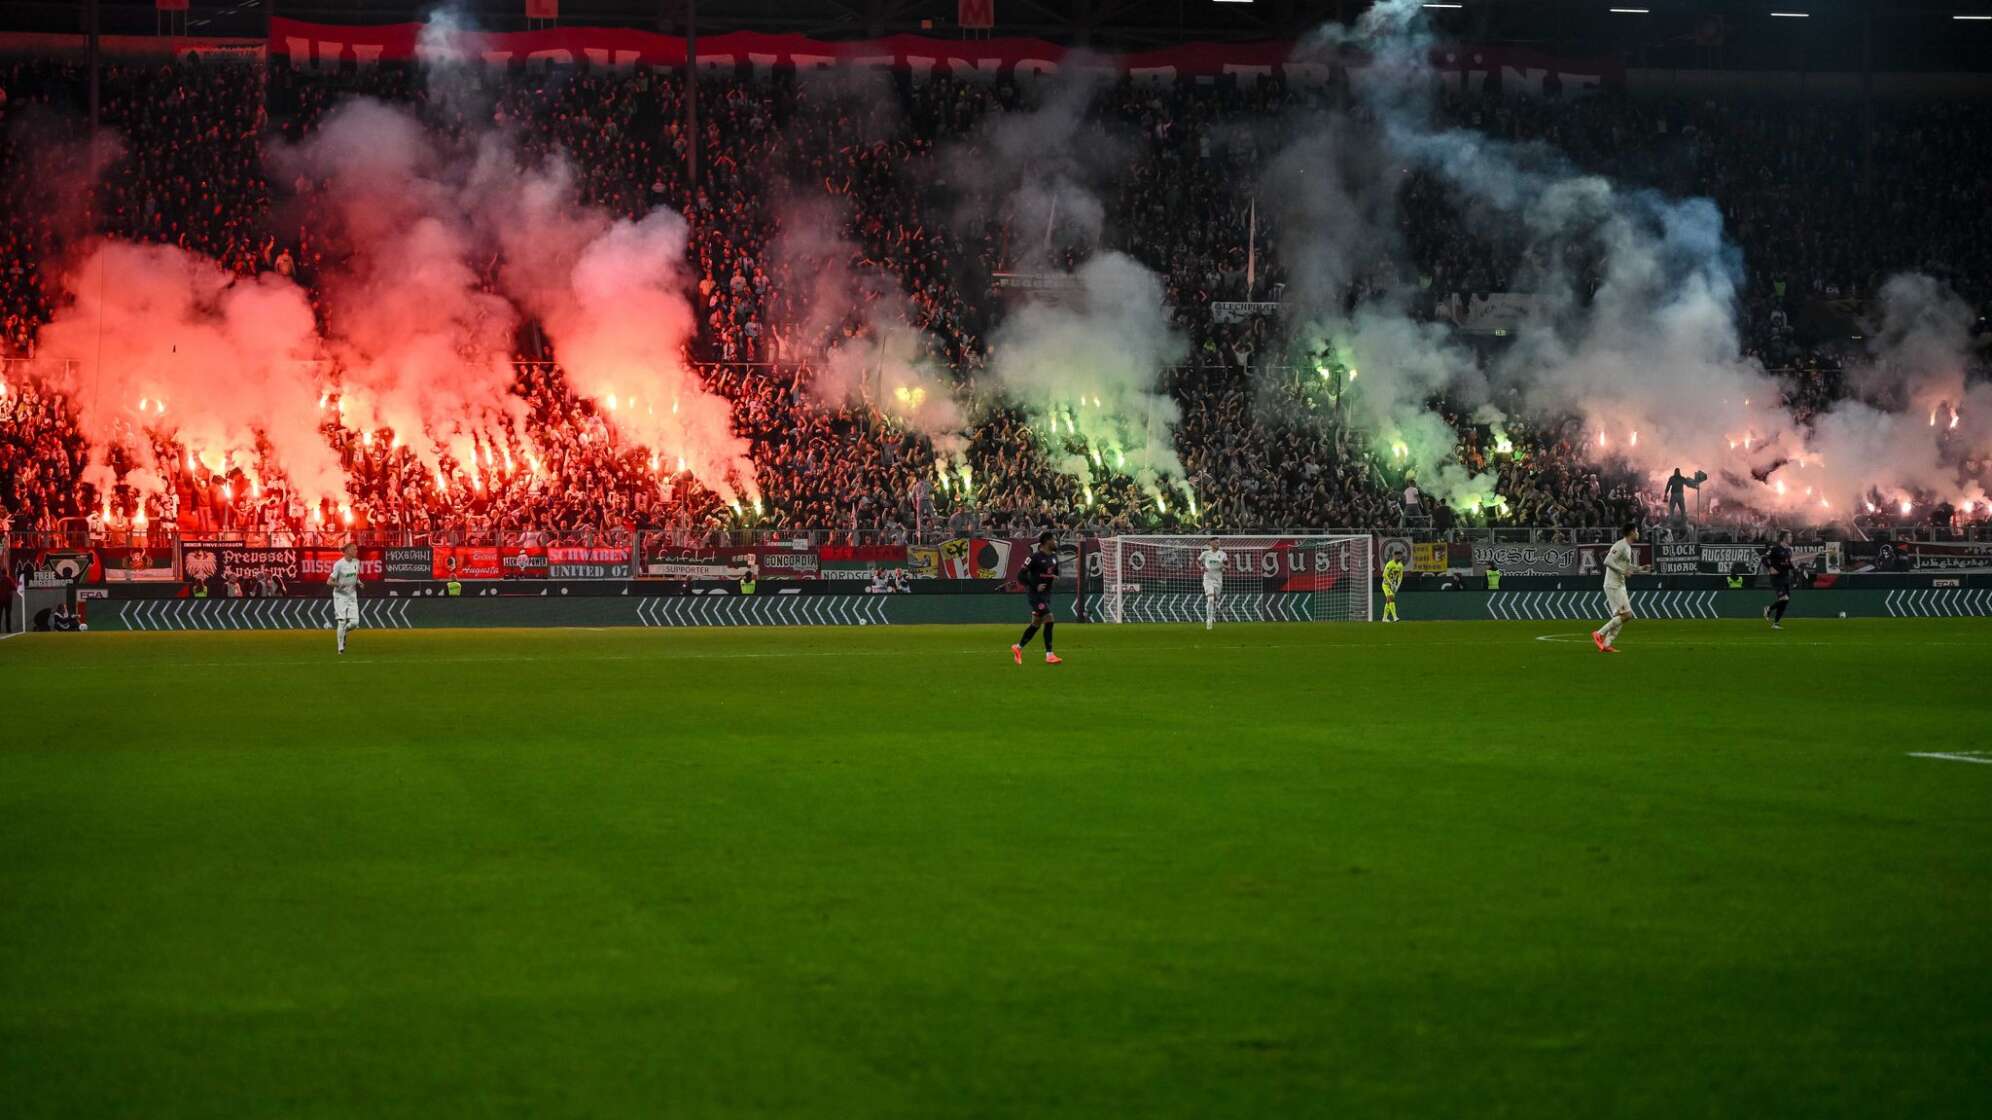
[1720,641]
[1767,640]
[1951,757]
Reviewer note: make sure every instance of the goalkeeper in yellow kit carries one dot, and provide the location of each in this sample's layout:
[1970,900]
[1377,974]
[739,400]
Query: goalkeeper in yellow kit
[1393,577]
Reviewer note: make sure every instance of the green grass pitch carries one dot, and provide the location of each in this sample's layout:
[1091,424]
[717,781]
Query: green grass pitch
[1421,870]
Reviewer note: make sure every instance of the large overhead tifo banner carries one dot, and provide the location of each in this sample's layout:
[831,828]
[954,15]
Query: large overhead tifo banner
[332,45]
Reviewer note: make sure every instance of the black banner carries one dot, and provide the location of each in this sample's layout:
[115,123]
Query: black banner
[521,562]
[407,564]
[789,565]
[1677,558]
[1945,556]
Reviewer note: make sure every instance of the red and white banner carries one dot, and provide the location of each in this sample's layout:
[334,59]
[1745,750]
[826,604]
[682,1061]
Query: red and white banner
[542,9]
[471,561]
[333,45]
[976,15]
[574,562]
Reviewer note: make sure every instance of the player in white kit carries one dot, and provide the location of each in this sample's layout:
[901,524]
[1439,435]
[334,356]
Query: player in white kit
[1212,559]
[1620,562]
[345,581]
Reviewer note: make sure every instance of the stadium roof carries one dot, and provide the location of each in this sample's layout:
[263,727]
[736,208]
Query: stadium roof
[1770,34]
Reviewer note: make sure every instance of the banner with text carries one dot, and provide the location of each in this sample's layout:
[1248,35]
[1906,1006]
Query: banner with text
[314,565]
[787,563]
[465,561]
[1677,558]
[407,564]
[1550,559]
[1940,556]
[205,561]
[332,45]
[1285,565]
[524,561]
[75,565]
[571,562]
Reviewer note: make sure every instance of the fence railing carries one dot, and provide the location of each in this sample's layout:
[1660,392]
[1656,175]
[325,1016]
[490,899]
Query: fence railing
[81,537]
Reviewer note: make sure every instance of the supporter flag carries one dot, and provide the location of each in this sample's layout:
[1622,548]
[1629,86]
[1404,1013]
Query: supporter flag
[923,562]
[542,9]
[976,14]
[958,558]
[170,5]
[992,559]
[1252,252]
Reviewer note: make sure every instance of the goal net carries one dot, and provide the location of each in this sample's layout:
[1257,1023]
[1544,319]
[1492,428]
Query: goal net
[1264,579]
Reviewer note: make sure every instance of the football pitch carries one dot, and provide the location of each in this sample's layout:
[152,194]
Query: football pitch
[1437,869]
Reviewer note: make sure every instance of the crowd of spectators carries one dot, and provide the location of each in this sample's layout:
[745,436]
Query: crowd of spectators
[1823,202]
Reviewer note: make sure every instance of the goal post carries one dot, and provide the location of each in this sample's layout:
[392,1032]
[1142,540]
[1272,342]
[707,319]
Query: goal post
[1281,578]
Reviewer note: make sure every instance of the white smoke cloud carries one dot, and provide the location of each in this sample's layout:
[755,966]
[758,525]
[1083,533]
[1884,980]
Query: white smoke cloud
[1088,370]
[1086,362]
[1645,346]
[872,353]
[1039,171]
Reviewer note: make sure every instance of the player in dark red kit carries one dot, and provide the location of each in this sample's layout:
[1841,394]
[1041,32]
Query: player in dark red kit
[1777,560]
[1040,571]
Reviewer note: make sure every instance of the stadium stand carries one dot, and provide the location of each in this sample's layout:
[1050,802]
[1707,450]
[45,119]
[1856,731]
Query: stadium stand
[1819,228]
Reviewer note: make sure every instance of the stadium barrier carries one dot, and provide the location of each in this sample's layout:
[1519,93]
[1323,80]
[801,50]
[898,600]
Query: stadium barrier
[720,605]
[715,608]
[1571,606]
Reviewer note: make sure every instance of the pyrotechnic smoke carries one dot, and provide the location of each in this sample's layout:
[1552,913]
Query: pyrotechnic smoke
[169,345]
[1087,370]
[872,353]
[612,296]
[438,244]
[891,366]
[424,325]
[1913,422]
[1386,366]
[420,342]
[1038,171]
[1643,343]
[1331,193]
[1087,362]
